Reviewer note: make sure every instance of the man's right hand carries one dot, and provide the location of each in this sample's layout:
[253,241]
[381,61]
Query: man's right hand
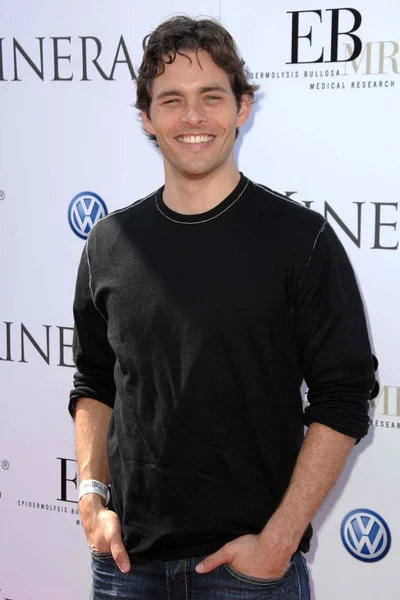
[103,530]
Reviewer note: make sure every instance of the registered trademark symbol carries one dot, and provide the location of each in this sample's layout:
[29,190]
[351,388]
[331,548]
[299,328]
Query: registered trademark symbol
[2,195]
[5,465]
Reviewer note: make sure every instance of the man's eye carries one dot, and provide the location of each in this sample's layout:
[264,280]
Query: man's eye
[172,101]
[213,98]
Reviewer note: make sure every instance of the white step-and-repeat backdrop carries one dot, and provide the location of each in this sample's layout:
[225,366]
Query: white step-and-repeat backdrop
[325,132]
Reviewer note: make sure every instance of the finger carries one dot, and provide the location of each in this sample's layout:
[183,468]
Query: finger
[213,561]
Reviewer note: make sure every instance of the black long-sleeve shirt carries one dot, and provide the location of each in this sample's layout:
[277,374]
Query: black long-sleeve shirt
[198,331]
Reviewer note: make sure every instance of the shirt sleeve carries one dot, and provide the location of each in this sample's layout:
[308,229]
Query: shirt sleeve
[92,353]
[333,339]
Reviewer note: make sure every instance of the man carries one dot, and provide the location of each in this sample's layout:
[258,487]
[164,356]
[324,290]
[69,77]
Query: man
[198,312]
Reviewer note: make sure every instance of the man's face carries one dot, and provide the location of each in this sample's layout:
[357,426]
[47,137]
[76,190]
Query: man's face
[194,115]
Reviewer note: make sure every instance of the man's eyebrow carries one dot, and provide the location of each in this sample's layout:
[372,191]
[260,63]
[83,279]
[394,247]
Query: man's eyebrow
[203,90]
[166,93]
[213,88]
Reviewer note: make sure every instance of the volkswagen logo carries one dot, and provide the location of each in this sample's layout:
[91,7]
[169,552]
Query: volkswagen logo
[365,535]
[84,211]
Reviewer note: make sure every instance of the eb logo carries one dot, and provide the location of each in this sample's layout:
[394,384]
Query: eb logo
[335,33]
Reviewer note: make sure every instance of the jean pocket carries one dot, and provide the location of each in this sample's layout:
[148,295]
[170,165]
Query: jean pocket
[101,555]
[258,580]
[304,563]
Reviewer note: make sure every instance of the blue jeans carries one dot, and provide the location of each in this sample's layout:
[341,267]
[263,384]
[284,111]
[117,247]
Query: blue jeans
[177,580]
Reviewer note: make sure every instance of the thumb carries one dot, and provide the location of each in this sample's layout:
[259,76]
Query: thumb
[213,561]
[120,555]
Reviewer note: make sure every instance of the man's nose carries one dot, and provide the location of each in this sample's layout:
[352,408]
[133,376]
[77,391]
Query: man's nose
[193,114]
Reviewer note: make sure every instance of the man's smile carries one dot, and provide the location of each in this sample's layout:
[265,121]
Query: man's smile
[196,141]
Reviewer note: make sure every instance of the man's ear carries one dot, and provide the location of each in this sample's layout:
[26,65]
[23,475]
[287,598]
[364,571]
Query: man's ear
[147,124]
[244,110]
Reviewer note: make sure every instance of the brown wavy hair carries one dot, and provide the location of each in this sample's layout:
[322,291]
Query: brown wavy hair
[180,34]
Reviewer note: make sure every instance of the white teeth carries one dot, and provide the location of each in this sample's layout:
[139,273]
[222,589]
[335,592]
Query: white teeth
[195,139]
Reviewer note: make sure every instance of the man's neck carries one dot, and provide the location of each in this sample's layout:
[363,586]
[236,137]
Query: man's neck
[198,195]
